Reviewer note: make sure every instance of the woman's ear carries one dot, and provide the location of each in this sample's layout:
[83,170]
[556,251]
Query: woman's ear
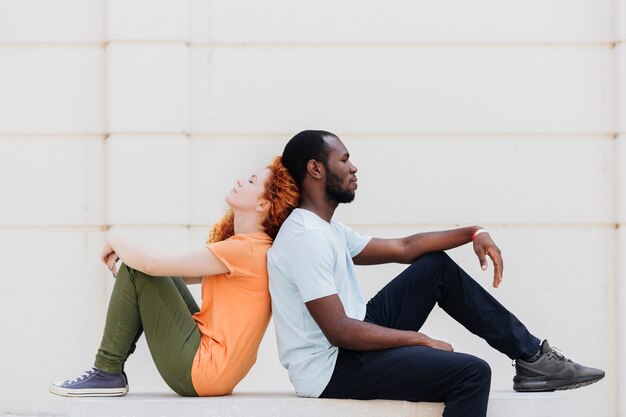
[262,205]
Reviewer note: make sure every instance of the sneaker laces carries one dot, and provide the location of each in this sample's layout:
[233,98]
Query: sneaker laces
[84,375]
[557,352]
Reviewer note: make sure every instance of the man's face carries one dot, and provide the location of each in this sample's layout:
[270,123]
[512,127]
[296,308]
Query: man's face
[341,181]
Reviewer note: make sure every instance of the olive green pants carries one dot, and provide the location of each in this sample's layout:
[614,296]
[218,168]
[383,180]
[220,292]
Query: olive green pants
[160,307]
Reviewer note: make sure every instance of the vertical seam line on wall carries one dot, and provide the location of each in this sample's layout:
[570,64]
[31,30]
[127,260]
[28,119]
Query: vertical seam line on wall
[105,128]
[620,350]
[188,118]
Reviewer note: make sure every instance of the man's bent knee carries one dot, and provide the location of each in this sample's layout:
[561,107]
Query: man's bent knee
[436,257]
[479,370]
[428,265]
[431,260]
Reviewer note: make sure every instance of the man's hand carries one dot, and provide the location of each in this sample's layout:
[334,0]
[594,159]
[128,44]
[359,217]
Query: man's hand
[484,246]
[437,344]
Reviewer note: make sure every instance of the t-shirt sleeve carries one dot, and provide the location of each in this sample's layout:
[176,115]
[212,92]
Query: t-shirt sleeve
[355,241]
[310,259]
[235,253]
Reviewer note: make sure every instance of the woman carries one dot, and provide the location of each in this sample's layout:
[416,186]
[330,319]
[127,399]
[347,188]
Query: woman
[198,351]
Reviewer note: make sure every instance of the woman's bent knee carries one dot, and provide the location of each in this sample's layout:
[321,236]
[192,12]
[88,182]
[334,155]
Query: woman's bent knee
[124,271]
[130,272]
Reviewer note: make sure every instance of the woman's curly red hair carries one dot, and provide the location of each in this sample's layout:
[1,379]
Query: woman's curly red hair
[283,195]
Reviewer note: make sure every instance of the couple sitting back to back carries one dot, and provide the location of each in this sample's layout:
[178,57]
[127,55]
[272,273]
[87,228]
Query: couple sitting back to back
[333,343]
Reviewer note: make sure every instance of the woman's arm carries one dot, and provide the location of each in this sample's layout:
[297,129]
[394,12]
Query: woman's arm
[197,263]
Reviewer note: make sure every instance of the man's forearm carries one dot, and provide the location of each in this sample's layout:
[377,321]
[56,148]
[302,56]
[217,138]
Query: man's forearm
[422,243]
[361,335]
[349,333]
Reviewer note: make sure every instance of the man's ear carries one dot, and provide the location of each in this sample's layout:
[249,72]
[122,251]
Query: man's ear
[315,169]
[262,205]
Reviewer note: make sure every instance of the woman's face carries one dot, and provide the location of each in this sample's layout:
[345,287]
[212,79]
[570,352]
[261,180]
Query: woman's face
[248,193]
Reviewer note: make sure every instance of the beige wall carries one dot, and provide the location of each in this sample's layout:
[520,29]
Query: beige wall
[137,116]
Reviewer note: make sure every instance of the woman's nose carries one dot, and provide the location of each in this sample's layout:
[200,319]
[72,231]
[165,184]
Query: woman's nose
[238,182]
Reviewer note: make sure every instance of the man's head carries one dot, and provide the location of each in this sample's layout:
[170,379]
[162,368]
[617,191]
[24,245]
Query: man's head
[316,158]
[303,147]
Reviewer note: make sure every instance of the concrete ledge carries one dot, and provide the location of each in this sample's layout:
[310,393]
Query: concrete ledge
[501,404]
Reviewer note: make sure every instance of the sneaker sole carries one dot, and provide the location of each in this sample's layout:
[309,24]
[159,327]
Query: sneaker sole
[94,392]
[541,384]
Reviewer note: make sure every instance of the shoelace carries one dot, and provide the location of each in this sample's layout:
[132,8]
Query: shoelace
[84,375]
[555,352]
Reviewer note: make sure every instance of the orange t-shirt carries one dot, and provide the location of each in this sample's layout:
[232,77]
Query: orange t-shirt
[234,315]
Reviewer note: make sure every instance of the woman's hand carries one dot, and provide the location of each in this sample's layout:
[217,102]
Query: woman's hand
[109,258]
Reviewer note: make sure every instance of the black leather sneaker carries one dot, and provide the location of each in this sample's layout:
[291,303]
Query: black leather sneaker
[551,372]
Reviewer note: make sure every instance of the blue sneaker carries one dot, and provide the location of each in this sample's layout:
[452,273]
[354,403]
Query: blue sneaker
[92,383]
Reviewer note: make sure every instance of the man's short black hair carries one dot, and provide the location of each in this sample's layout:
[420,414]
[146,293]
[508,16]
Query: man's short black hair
[306,145]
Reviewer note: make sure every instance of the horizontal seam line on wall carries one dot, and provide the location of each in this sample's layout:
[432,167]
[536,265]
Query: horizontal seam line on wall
[279,135]
[564,135]
[354,225]
[287,45]
[53,135]
[400,45]
[35,45]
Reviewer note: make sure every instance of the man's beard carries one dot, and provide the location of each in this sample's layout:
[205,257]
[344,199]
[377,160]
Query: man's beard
[334,190]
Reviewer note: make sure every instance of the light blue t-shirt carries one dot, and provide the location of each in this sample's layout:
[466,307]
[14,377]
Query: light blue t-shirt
[311,259]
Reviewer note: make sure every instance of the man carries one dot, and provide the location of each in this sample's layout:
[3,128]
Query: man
[336,346]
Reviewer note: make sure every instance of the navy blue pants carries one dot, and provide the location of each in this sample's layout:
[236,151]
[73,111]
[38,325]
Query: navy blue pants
[417,373]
